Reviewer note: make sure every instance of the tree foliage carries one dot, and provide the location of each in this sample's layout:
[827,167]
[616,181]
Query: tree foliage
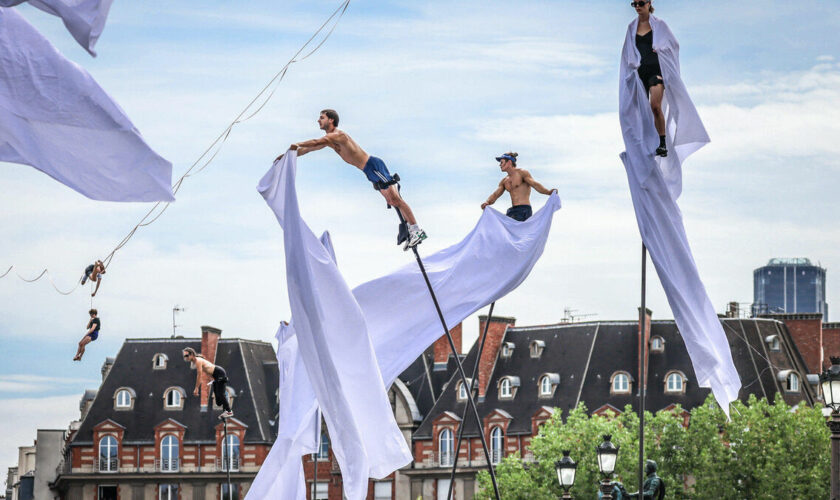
[765,451]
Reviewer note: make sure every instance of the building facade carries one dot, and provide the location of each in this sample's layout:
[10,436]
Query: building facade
[143,435]
[789,286]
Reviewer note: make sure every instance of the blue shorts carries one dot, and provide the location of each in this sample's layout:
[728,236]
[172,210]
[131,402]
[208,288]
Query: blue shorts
[377,172]
[93,336]
[519,212]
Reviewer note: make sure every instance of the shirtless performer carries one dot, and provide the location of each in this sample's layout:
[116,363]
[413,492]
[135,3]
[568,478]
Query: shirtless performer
[374,168]
[94,273]
[518,183]
[219,382]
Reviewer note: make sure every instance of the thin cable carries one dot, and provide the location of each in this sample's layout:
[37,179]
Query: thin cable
[7,271]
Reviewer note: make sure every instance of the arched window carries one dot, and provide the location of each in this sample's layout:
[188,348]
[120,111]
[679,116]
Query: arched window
[621,383]
[445,447]
[792,382]
[462,390]
[124,399]
[505,388]
[174,398]
[108,454]
[674,382]
[230,453]
[496,445]
[545,386]
[169,454]
[657,344]
[324,449]
[159,361]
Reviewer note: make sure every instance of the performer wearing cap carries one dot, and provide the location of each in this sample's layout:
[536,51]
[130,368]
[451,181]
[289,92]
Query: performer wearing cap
[518,183]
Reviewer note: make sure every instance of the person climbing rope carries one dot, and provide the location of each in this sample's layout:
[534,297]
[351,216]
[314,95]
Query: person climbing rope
[649,70]
[91,334]
[373,167]
[219,382]
[518,183]
[94,273]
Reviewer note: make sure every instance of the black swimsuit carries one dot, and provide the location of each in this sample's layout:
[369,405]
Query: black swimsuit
[649,71]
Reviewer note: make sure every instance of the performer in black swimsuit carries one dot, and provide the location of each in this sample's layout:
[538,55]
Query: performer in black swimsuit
[649,71]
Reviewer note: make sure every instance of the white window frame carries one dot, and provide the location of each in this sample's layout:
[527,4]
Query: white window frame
[379,487]
[775,345]
[120,405]
[165,492]
[446,455]
[792,383]
[545,385]
[113,450]
[657,344]
[159,361]
[324,447]
[672,388]
[505,388]
[462,392]
[620,390]
[166,453]
[231,462]
[322,490]
[173,398]
[497,445]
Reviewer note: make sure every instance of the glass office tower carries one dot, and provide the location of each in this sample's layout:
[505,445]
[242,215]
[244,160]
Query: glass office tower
[789,286]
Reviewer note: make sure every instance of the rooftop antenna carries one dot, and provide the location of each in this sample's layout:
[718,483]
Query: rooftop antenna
[176,309]
[568,317]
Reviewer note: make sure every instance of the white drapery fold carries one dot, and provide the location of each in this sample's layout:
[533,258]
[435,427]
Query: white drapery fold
[493,259]
[56,118]
[655,184]
[84,19]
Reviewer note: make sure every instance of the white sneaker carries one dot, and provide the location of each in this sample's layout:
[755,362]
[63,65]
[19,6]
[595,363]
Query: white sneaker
[226,414]
[415,238]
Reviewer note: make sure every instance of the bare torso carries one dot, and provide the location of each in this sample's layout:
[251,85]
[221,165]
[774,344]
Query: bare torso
[519,190]
[203,365]
[347,148]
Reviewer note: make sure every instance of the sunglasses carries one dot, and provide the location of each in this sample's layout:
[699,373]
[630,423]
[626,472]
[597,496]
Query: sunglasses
[186,356]
[637,4]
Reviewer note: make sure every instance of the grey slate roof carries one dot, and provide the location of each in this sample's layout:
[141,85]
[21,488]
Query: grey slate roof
[251,367]
[585,355]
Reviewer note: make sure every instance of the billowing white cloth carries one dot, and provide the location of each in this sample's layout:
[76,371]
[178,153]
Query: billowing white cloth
[84,19]
[655,185]
[334,346]
[493,259]
[56,118]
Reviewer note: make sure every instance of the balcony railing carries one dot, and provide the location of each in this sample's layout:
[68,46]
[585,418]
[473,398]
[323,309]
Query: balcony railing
[228,463]
[447,458]
[106,464]
[496,456]
[166,464]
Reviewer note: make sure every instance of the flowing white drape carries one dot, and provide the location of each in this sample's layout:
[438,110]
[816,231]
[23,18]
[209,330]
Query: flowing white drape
[84,19]
[56,118]
[655,185]
[494,258]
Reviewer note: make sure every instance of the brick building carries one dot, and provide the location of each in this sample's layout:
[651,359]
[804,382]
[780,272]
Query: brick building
[143,435]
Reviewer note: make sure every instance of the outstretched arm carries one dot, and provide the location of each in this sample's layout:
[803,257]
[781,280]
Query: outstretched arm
[197,378]
[495,196]
[536,185]
[311,145]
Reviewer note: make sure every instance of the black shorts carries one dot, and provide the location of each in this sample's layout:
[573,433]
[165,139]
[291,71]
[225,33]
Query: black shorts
[520,212]
[650,74]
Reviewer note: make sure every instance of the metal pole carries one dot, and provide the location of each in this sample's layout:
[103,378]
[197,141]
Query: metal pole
[833,423]
[230,459]
[606,489]
[642,371]
[315,478]
[464,413]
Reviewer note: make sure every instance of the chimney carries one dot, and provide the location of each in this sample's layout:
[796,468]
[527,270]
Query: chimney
[209,344]
[106,367]
[733,310]
[646,341]
[442,350]
[495,335]
[806,330]
[830,342]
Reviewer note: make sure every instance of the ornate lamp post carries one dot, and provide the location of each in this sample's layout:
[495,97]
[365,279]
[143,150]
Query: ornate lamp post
[566,468]
[830,381]
[607,456]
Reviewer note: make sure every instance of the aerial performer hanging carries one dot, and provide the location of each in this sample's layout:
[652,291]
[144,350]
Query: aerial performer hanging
[92,334]
[217,373]
[518,184]
[650,73]
[655,184]
[94,273]
[374,168]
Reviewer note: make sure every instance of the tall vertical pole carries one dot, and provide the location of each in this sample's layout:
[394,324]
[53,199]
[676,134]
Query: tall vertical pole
[315,475]
[833,423]
[642,371]
[229,460]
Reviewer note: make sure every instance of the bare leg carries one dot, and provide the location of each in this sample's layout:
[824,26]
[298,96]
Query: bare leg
[656,93]
[392,196]
[82,343]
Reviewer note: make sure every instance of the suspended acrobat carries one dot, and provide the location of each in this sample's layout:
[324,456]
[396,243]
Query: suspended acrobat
[219,382]
[91,334]
[94,273]
[650,73]
[518,183]
[373,167]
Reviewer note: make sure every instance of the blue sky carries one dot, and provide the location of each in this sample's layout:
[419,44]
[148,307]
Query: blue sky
[436,89]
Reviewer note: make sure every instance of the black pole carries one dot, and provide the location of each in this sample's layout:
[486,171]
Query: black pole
[315,456]
[230,459]
[464,413]
[642,371]
[833,423]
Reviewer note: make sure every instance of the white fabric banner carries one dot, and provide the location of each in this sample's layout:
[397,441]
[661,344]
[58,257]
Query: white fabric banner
[84,19]
[655,185]
[494,258]
[56,118]
[334,346]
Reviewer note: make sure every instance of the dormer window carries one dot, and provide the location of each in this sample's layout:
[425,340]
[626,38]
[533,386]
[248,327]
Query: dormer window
[507,350]
[620,383]
[507,387]
[675,382]
[124,398]
[792,383]
[657,344]
[547,384]
[773,342]
[462,390]
[537,347]
[173,398]
[159,361]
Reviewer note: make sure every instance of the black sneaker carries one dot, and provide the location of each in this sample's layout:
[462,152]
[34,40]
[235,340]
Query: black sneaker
[662,151]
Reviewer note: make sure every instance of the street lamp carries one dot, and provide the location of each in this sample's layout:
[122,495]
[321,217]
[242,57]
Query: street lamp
[566,468]
[607,455]
[830,381]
